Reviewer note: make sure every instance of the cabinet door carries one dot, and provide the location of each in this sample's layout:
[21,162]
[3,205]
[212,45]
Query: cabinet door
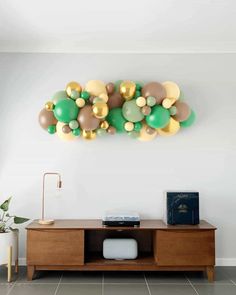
[55,247]
[184,247]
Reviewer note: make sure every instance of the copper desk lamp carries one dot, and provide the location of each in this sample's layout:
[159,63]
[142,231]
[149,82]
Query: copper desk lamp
[59,184]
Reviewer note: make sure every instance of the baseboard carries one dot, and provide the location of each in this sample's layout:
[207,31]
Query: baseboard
[219,261]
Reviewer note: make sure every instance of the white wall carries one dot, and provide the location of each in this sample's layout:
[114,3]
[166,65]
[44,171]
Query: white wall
[117,172]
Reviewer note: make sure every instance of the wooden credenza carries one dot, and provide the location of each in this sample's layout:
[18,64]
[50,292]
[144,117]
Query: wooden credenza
[77,245]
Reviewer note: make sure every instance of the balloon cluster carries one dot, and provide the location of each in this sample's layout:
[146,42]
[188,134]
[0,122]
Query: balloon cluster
[142,111]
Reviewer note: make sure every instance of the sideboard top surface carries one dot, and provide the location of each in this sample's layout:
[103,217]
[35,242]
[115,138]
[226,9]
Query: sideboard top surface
[97,225]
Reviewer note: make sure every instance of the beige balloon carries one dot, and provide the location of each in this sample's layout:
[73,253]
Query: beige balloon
[96,87]
[144,136]
[171,129]
[64,136]
[172,89]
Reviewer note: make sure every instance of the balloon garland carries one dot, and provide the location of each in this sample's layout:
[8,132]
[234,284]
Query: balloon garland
[141,111]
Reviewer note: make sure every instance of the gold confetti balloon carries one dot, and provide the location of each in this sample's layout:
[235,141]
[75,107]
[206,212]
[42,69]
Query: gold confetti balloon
[71,87]
[49,106]
[171,129]
[100,109]
[127,89]
[172,89]
[89,134]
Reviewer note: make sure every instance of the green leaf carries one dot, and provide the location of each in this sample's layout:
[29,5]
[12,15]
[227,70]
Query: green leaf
[19,220]
[5,205]
[14,229]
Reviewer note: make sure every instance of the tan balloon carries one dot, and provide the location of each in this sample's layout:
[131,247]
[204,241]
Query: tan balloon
[64,136]
[100,109]
[46,119]
[172,89]
[144,135]
[127,89]
[150,130]
[66,129]
[110,88]
[172,128]
[154,89]
[115,100]
[111,130]
[73,86]
[89,135]
[96,87]
[146,110]
[183,111]
[86,118]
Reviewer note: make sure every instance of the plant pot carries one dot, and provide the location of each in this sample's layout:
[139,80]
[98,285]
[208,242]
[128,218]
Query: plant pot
[6,240]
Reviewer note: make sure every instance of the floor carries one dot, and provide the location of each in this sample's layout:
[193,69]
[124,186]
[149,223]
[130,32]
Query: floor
[120,283]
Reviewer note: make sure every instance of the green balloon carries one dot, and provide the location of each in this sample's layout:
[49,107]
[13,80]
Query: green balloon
[74,94]
[173,110]
[132,112]
[137,94]
[115,118]
[66,110]
[151,101]
[85,95]
[73,124]
[139,86]
[51,129]
[137,126]
[189,121]
[76,132]
[117,85]
[158,118]
[133,134]
[59,95]
[101,132]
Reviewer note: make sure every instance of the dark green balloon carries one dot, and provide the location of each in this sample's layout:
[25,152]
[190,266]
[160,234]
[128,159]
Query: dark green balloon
[51,129]
[189,121]
[66,110]
[137,126]
[85,95]
[158,118]
[76,132]
[115,118]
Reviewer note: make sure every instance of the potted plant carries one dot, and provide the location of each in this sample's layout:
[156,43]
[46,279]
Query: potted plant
[9,236]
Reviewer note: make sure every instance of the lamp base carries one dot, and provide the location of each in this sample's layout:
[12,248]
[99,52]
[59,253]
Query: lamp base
[46,222]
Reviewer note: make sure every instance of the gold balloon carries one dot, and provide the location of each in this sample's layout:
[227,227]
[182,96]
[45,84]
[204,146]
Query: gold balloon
[100,109]
[172,128]
[104,125]
[89,134]
[80,102]
[64,136]
[144,135]
[172,89]
[127,89]
[49,106]
[141,101]
[96,87]
[129,126]
[168,102]
[72,86]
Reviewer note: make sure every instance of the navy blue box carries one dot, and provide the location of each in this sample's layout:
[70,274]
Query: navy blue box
[182,207]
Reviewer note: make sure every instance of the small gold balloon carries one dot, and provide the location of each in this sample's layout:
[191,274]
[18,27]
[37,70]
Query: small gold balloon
[127,89]
[172,128]
[168,102]
[129,126]
[80,102]
[141,101]
[104,125]
[73,86]
[89,134]
[100,109]
[172,89]
[49,106]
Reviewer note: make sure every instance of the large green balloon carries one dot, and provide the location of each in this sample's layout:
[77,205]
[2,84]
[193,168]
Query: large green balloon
[189,121]
[66,110]
[132,112]
[116,119]
[59,95]
[159,117]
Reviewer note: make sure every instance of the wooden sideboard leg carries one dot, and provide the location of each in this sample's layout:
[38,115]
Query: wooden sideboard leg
[9,264]
[210,273]
[30,272]
[16,266]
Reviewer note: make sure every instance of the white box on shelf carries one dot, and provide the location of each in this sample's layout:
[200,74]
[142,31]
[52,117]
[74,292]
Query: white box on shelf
[120,249]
